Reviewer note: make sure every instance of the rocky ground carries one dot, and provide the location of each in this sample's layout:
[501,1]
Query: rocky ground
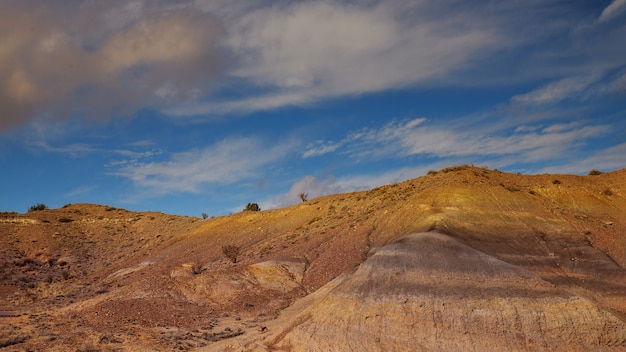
[461,259]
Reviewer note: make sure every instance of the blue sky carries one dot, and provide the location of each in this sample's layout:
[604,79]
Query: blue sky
[192,107]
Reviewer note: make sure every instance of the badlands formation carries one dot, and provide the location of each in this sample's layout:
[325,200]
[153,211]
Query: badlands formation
[463,259]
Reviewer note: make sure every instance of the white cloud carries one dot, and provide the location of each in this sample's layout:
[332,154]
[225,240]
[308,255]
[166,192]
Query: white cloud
[608,159]
[229,161]
[418,138]
[560,90]
[615,8]
[73,150]
[303,51]
[319,148]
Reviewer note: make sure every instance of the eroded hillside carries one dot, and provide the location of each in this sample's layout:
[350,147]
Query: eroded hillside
[523,262]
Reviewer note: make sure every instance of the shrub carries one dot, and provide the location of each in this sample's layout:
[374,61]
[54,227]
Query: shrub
[595,172]
[231,252]
[196,269]
[454,168]
[556,182]
[37,207]
[252,207]
[66,220]
[607,192]
[205,216]
[512,188]
[303,196]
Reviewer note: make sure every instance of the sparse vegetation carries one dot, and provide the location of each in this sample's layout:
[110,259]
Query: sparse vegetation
[231,252]
[252,207]
[66,219]
[431,172]
[510,188]
[454,168]
[205,216]
[556,182]
[303,196]
[196,269]
[595,172]
[37,207]
[607,192]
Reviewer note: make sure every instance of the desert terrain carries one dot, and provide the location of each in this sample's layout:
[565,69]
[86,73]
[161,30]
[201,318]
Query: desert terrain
[462,259]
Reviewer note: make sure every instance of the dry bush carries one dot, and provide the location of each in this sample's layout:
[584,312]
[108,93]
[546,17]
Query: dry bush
[454,168]
[197,268]
[595,172]
[231,252]
[252,207]
[37,207]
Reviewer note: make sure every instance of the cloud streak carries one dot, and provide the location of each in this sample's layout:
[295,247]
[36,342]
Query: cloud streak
[301,52]
[417,137]
[229,161]
[616,7]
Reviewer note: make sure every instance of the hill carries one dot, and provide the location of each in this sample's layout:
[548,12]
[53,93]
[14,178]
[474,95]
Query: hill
[461,259]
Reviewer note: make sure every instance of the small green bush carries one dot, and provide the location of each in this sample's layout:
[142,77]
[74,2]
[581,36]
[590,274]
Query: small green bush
[37,207]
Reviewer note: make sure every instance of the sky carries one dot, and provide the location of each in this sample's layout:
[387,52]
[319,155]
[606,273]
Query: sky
[201,106]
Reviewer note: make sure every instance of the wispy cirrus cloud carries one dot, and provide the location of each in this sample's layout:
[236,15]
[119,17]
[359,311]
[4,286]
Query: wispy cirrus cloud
[576,88]
[608,159]
[418,137]
[557,91]
[614,8]
[226,162]
[304,51]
